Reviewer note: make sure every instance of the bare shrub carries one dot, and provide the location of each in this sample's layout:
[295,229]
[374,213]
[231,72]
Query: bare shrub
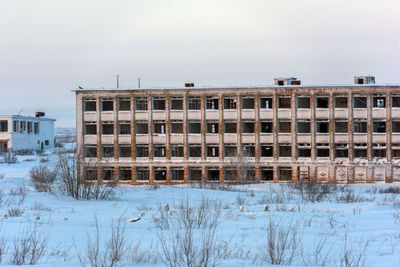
[29,245]
[143,209]
[19,194]
[352,254]
[140,255]
[39,206]
[192,242]
[15,212]
[282,243]
[71,183]
[284,194]
[312,191]
[10,158]
[396,212]
[240,200]
[24,152]
[346,194]
[319,254]
[43,178]
[3,245]
[390,190]
[161,218]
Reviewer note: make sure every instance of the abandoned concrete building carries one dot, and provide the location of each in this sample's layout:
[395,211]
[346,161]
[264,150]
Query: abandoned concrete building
[281,133]
[26,133]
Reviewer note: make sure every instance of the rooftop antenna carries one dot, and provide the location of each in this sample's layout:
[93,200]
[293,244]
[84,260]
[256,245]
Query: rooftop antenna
[117,81]
[138,82]
[19,112]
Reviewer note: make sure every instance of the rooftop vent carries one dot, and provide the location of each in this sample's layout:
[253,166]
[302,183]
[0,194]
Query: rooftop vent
[189,84]
[364,79]
[281,81]
[39,114]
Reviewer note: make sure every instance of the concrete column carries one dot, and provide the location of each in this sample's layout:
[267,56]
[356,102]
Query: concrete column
[99,174]
[167,129]
[312,127]
[221,174]
[295,173]
[369,128]
[293,126]
[332,171]
[239,128]
[203,128]
[168,175]
[151,174]
[186,174]
[221,128]
[388,171]
[350,126]
[150,129]
[116,173]
[275,129]
[257,128]
[80,136]
[258,174]
[115,124]
[185,130]
[133,172]
[275,173]
[98,126]
[203,174]
[133,129]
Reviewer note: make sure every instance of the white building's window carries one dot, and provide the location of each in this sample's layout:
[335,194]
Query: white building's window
[4,126]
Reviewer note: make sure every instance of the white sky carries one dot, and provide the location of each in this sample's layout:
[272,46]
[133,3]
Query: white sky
[48,48]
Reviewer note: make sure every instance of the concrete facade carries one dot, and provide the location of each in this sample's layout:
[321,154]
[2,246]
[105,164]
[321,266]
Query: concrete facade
[26,133]
[336,134]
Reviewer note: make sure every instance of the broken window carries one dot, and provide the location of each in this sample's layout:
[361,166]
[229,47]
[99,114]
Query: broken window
[212,102]
[340,101]
[379,126]
[141,103]
[284,126]
[229,102]
[90,174]
[267,174]
[16,126]
[322,126]
[176,103]
[322,101]
[124,127]
[212,127]
[248,127]
[303,102]
[108,174]
[360,125]
[284,101]
[124,104]
[177,127]
[194,127]
[36,128]
[107,151]
[194,151]
[212,151]
[396,126]
[22,127]
[322,150]
[304,150]
[212,174]
[194,103]
[267,150]
[266,126]
[90,151]
[29,125]
[378,101]
[248,150]
[177,151]
[142,174]
[177,173]
[142,127]
[4,126]
[285,150]
[303,126]
[266,102]
[107,127]
[341,126]
[284,173]
[159,127]
[230,150]
[341,151]
[125,174]
[46,142]
[379,150]
[142,151]
[90,128]
[159,151]
[247,102]
[248,174]
[395,151]
[160,174]
[125,151]
[230,173]
[195,174]
[89,104]
[158,103]
[360,150]
[360,101]
[230,127]
[107,104]
[396,101]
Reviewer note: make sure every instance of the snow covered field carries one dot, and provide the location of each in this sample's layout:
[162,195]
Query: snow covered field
[353,222]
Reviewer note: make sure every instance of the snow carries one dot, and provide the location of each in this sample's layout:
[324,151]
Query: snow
[67,222]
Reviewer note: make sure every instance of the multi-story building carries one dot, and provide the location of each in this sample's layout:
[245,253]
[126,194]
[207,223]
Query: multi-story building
[26,133]
[285,132]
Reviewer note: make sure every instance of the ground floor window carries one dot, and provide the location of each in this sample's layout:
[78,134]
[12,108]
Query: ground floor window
[125,174]
[284,173]
[142,174]
[90,174]
[177,174]
[230,174]
[212,174]
[108,174]
[267,174]
[160,174]
[195,174]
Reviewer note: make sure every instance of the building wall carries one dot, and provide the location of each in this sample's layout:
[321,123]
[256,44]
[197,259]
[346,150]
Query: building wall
[375,164]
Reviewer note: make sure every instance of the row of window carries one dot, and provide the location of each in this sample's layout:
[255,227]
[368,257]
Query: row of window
[248,102]
[23,127]
[195,174]
[248,126]
[248,150]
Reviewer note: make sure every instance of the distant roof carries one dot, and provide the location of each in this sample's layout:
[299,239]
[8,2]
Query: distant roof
[27,117]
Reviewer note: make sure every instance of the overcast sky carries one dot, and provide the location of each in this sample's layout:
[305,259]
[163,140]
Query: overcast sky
[48,48]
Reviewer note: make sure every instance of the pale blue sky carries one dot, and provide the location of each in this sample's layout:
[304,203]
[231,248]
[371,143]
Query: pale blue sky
[48,48]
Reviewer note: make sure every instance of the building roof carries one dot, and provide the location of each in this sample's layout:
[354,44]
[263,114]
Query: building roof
[21,117]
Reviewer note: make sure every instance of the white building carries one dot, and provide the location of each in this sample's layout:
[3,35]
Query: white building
[24,132]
